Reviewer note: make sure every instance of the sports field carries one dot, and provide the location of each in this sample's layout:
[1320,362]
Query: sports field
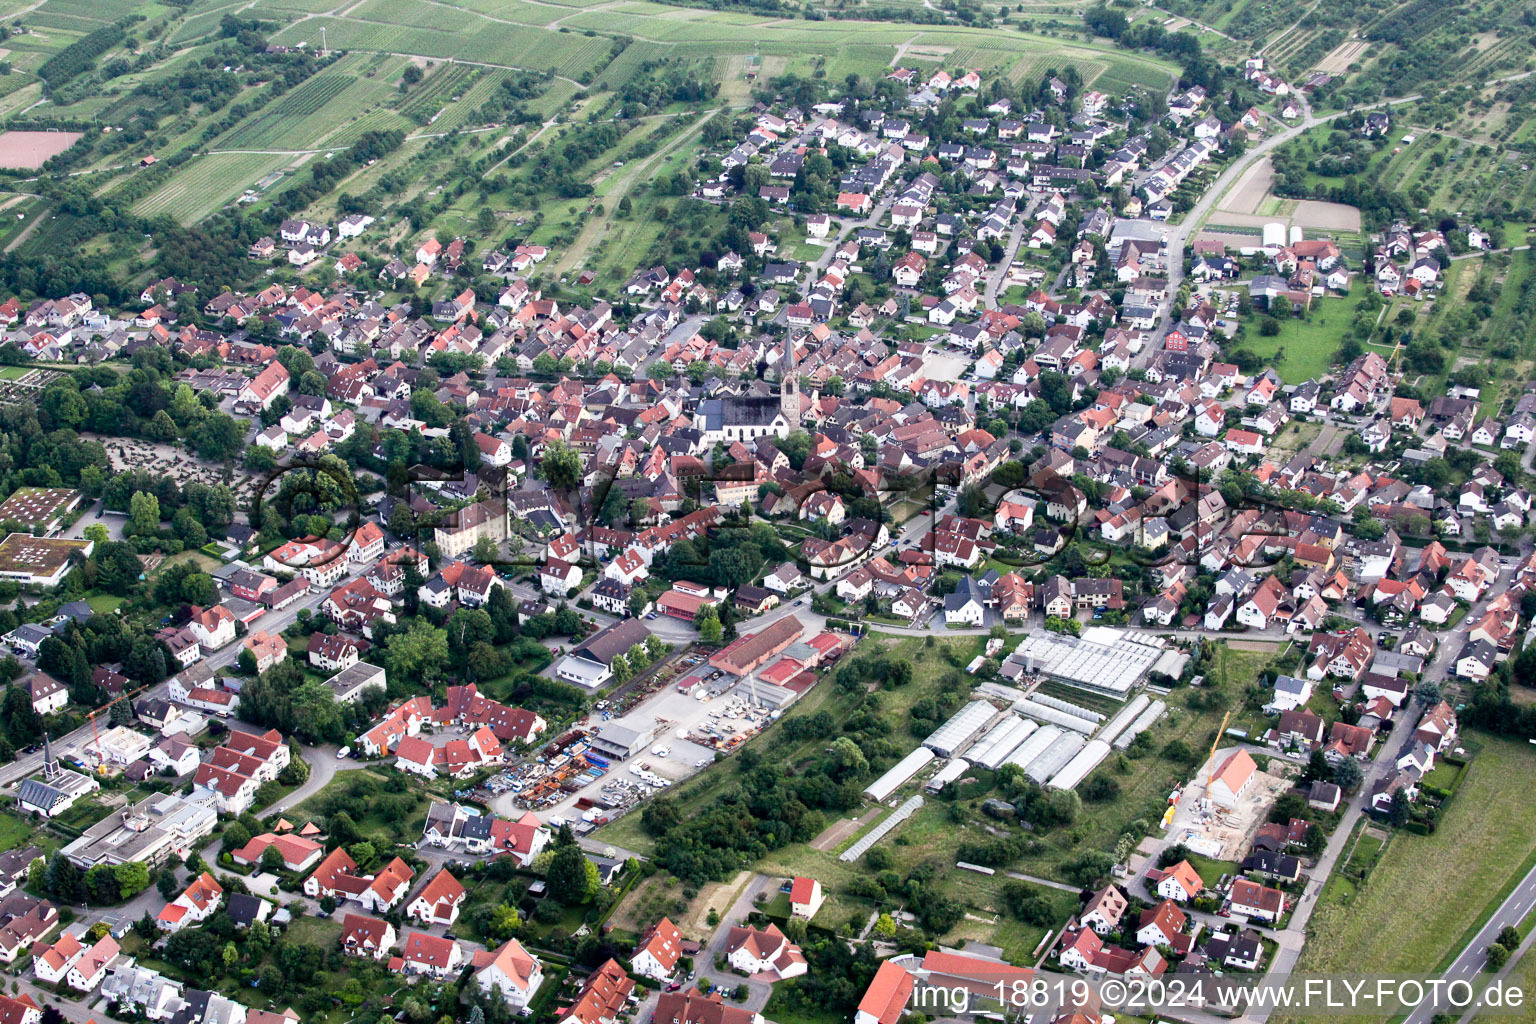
[30,150]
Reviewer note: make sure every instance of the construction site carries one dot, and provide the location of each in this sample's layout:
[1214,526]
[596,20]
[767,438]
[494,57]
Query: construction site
[1218,812]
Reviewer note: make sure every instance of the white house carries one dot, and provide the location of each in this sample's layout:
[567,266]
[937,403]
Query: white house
[1180,883]
[658,952]
[195,905]
[1232,779]
[91,968]
[805,897]
[52,962]
[47,693]
[761,951]
[439,902]
[510,970]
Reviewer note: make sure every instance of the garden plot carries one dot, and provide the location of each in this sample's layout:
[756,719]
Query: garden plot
[1250,203]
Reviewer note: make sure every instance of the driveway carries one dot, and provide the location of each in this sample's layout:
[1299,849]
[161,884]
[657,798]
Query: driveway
[736,914]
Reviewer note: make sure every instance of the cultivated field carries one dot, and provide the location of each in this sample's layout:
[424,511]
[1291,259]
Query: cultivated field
[30,150]
[206,183]
[1342,56]
[1248,193]
[1249,203]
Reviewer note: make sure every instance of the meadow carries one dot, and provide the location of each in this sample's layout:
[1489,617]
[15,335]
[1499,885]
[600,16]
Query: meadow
[1304,348]
[1413,911]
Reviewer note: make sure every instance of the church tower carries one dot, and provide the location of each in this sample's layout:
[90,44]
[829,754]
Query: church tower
[790,401]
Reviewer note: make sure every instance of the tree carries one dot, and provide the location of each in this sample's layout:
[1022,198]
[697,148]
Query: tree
[132,879]
[1348,775]
[561,466]
[100,884]
[62,880]
[467,627]
[235,836]
[418,652]
[1400,810]
[486,551]
[1427,692]
[272,860]
[1498,956]
[1317,767]
[218,437]
[707,621]
[1314,840]
[572,878]
[503,923]
[143,514]
[1025,902]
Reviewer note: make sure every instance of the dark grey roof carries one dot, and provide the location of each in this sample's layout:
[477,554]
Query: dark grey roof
[36,793]
[243,909]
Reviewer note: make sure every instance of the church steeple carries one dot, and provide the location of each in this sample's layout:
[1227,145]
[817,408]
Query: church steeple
[789,386]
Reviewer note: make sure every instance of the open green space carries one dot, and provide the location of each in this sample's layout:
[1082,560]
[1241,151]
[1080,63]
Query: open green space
[1425,891]
[14,831]
[1305,347]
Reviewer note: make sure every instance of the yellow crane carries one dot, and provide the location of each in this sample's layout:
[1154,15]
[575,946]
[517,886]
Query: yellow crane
[1210,756]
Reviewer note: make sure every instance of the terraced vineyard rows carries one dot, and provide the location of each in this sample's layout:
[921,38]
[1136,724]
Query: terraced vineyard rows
[429,96]
[275,124]
[463,113]
[1504,53]
[207,183]
[535,49]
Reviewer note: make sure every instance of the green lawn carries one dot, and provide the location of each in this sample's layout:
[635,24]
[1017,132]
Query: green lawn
[14,831]
[103,604]
[1304,348]
[1423,895]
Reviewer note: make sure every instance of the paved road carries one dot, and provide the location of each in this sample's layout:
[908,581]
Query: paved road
[735,914]
[1473,959]
[997,278]
[80,740]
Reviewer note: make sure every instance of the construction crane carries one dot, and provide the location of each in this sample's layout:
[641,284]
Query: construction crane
[1210,757]
[107,708]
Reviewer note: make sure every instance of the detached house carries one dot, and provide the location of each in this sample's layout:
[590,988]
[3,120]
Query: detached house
[764,951]
[195,904]
[439,902]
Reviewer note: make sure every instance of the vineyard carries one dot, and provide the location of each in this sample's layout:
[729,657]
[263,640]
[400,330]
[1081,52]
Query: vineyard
[275,125]
[330,109]
[1507,54]
[514,10]
[532,49]
[472,96]
[207,183]
[428,97]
